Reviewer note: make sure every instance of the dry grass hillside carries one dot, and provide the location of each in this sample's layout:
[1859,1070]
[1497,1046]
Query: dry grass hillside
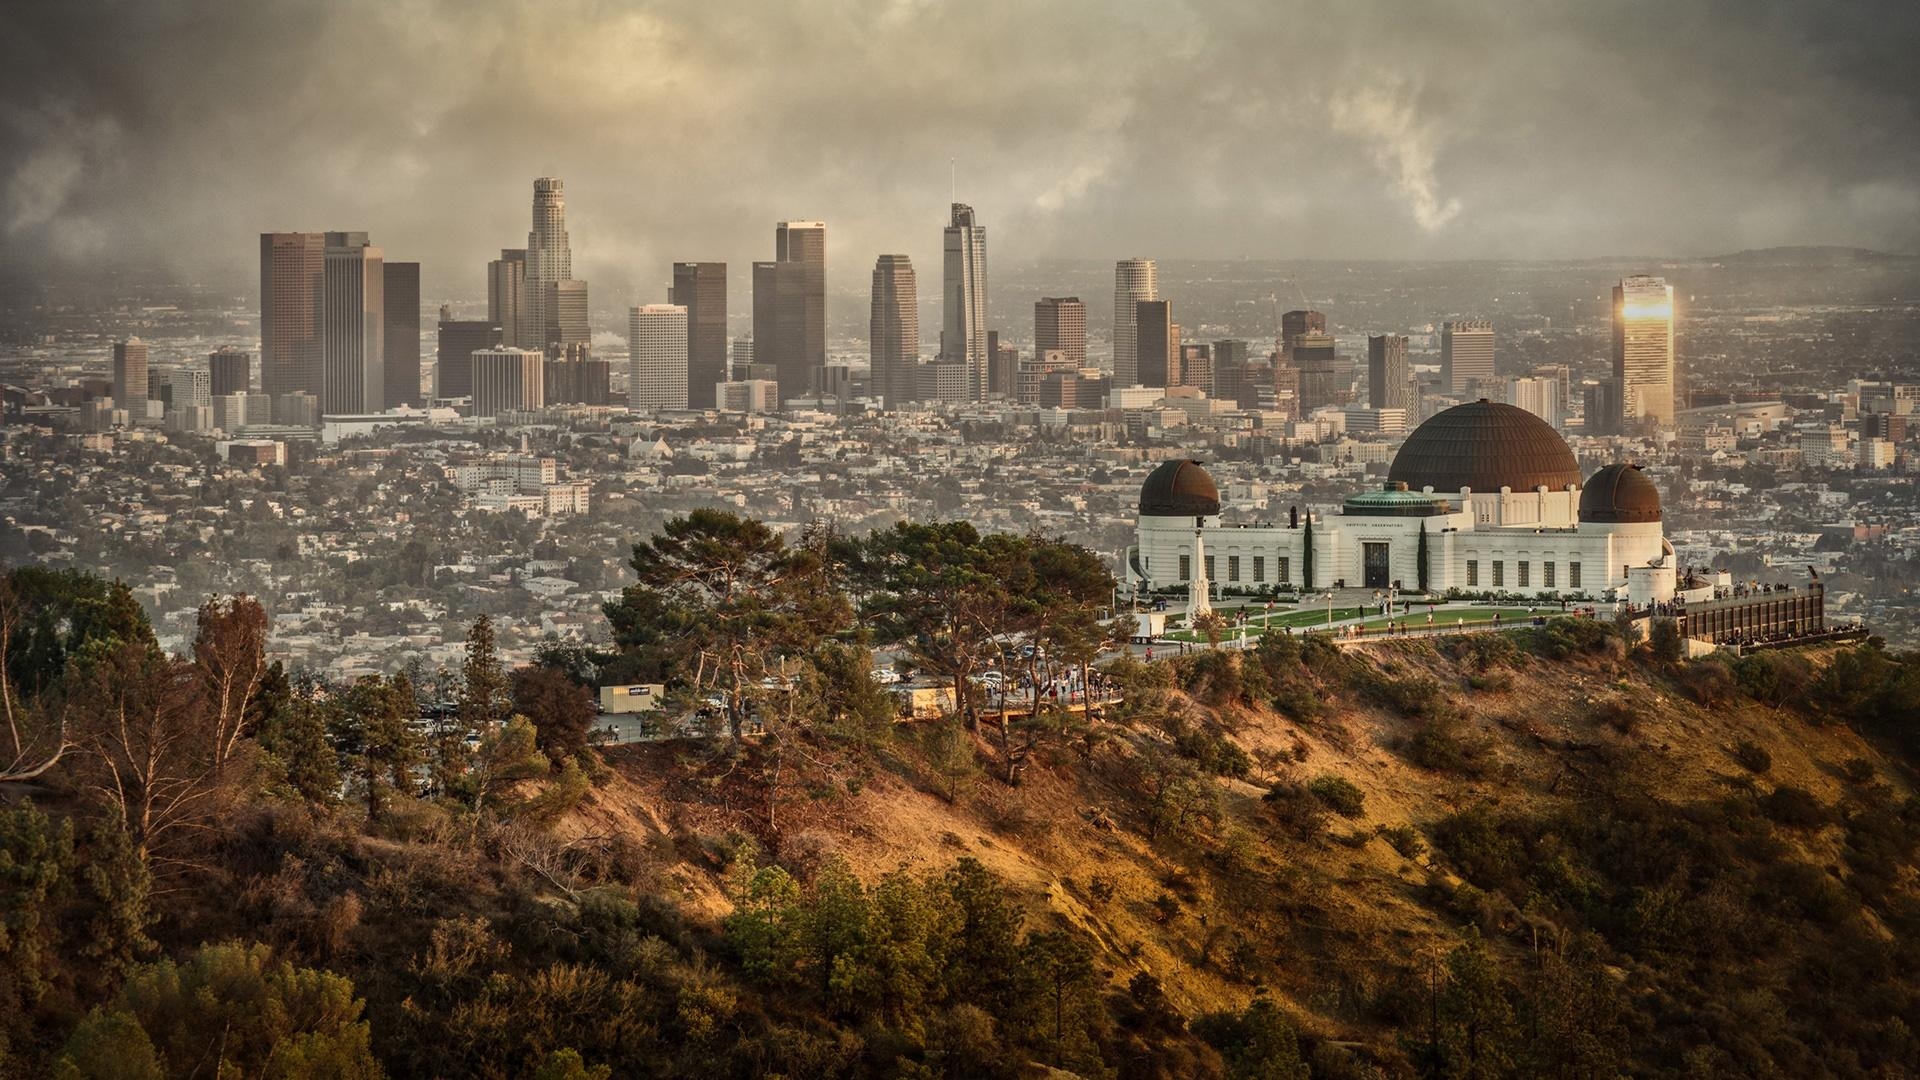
[1327,830]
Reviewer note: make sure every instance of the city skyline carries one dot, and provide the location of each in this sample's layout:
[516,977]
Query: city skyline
[1466,151]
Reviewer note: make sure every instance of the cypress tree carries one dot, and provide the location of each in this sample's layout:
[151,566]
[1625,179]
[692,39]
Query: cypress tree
[1421,555]
[1306,556]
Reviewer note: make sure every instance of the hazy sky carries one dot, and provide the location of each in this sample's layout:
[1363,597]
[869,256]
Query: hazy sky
[166,132]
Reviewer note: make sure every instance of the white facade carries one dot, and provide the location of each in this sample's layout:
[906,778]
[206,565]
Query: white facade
[657,357]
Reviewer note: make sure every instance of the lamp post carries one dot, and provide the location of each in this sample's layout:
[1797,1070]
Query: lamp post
[1329,611]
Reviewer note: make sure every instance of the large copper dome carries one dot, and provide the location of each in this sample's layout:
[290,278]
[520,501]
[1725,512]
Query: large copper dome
[1179,488]
[1486,446]
[1618,494]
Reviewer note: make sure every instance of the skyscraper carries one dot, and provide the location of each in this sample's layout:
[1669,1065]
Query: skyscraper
[1387,372]
[1134,280]
[1541,397]
[567,314]
[453,365]
[506,378]
[1323,380]
[1230,369]
[230,370]
[354,334]
[657,357]
[701,288]
[130,378]
[292,318]
[963,333]
[506,285]
[1298,322]
[549,261]
[1154,341]
[893,331]
[402,306]
[1060,324]
[803,244]
[1466,353]
[1643,348]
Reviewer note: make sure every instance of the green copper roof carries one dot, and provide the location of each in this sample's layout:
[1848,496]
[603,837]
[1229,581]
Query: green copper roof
[1392,503]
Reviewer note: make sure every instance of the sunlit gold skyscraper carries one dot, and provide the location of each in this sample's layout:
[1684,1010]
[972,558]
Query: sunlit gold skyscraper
[1643,349]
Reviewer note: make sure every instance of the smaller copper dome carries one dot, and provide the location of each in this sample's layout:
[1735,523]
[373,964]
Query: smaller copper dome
[1179,488]
[1619,494]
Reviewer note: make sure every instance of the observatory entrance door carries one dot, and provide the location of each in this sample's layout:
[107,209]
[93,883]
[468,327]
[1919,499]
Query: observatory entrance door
[1374,562]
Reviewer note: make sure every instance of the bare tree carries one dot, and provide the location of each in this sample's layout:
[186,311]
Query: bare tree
[230,656]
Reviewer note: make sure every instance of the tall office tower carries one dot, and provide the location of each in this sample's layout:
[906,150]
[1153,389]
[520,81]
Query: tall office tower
[293,270]
[506,291]
[1154,342]
[459,340]
[778,297]
[1643,349]
[575,378]
[1134,280]
[963,330]
[1600,402]
[506,378]
[701,288]
[1286,389]
[1562,377]
[567,314]
[189,386]
[1032,374]
[893,331]
[1002,360]
[1229,369]
[1317,363]
[1541,397]
[799,347]
[742,358]
[1298,322]
[1060,324]
[657,357]
[231,371]
[1466,353]
[402,305]
[549,262]
[130,378]
[355,331]
[1193,365]
[1387,372]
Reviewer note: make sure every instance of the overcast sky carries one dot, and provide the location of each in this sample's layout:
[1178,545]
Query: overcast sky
[159,132]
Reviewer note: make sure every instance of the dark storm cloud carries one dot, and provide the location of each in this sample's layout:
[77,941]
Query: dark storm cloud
[173,132]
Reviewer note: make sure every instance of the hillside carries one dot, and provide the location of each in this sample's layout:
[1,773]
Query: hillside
[1530,853]
[1339,918]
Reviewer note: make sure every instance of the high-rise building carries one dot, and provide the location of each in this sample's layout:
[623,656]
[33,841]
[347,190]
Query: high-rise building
[1060,325]
[506,378]
[1230,369]
[1154,342]
[189,386]
[453,365]
[701,288]
[293,269]
[893,331]
[567,314]
[1316,360]
[402,305]
[1298,322]
[1033,373]
[963,329]
[1387,372]
[1193,367]
[1001,362]
[575,377]
[230,371]
[506,291]
[355,331]
[130,377]
[1600,403]
[1466,353]
[1562,378]
[742,358]
[790,305]
[1643,349]
[1541,397]
[1134,280]
[549,261]
[657,357]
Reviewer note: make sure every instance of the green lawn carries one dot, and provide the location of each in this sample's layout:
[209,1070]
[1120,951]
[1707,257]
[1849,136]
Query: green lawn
[1307,618]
